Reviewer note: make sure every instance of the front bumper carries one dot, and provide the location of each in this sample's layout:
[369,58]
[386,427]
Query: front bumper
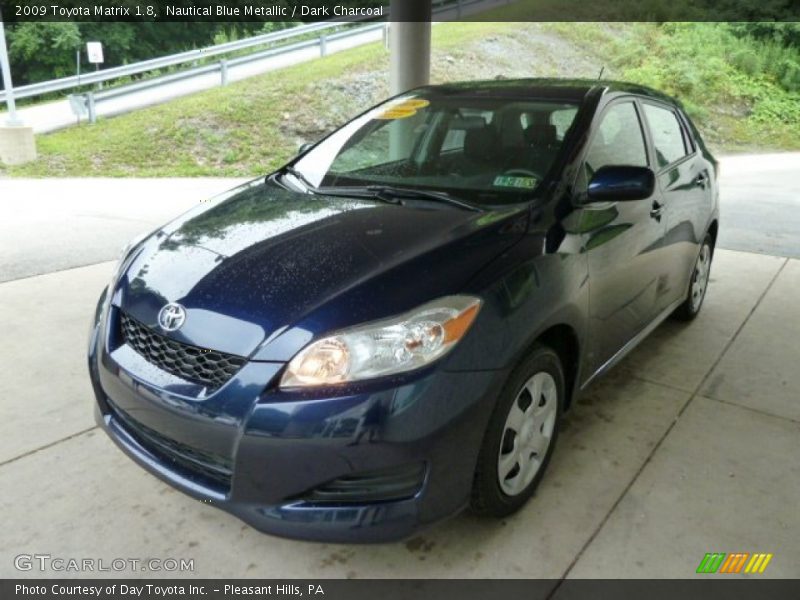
[258,452]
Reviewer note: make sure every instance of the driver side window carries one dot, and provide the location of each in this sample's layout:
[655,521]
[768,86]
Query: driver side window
[619,140]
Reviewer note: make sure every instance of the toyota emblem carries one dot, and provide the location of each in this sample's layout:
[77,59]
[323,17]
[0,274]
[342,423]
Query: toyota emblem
[171,316]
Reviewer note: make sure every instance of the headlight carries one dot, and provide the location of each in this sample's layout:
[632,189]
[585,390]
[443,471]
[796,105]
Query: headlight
[122,261]
[385,347]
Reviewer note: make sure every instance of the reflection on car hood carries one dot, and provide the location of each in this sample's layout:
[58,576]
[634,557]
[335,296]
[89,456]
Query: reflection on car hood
[262,259]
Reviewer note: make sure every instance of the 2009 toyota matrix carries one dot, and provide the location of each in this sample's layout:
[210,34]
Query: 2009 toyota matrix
[387,329]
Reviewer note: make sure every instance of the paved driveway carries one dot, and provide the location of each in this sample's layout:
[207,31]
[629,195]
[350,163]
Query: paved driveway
[761,203]
[47,225]
[688,446]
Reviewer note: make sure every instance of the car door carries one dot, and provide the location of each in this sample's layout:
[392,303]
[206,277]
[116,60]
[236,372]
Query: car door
[685,182]
[623,240]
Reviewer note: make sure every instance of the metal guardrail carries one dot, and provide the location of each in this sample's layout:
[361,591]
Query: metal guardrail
[64,83]
[90,99]
[224,64]
[86,103]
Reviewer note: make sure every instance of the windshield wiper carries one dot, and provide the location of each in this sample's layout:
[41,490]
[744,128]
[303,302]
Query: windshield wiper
[290,170]
[393,195]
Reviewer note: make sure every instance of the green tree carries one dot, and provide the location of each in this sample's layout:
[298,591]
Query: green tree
[43,50]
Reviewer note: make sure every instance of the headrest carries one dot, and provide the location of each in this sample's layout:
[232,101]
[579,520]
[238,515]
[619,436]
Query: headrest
[481,144]
[541,134]
[467,123]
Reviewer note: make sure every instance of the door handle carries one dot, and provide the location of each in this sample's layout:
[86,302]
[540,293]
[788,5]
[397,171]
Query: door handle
[655,210]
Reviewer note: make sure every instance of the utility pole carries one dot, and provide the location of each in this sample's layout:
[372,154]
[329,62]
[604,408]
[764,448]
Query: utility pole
[7,84]
[17,144]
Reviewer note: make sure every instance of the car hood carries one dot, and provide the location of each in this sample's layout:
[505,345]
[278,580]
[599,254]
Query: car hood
[261,270]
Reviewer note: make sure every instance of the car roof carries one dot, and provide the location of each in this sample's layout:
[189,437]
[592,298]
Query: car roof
[575,90]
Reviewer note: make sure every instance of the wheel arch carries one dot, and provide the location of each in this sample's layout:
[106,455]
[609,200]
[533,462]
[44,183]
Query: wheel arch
[562,338]
[713,229]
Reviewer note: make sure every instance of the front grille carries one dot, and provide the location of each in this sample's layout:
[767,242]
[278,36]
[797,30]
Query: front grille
[199,365]
[210,469]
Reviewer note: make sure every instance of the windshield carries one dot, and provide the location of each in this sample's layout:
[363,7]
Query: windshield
[486,151]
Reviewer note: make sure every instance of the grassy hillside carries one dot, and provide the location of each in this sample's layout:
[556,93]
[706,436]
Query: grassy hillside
[254,125]
[743,94]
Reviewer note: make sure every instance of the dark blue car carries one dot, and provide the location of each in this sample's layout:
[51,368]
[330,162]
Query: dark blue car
[387,329]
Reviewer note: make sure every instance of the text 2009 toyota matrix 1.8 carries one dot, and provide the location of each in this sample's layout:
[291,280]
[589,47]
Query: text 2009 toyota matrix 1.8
[387,329]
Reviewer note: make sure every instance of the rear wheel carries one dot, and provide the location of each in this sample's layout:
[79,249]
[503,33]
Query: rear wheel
[697,288]
[521,435]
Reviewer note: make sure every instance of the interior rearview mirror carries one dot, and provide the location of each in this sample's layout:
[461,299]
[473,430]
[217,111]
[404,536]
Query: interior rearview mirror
[615,183]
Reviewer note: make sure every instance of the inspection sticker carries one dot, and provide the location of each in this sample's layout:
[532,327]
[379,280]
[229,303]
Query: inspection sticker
[402,109]
[398,112]
[527,183]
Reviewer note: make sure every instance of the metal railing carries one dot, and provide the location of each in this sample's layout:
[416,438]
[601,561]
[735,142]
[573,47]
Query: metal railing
[87,102]
[91,98]
[190,56]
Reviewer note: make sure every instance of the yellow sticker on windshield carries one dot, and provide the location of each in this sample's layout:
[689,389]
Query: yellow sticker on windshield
[396,113]
[416,103]
[527,183]
[402,109]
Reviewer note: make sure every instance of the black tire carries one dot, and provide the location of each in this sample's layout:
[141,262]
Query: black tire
[691,306]
[488,498]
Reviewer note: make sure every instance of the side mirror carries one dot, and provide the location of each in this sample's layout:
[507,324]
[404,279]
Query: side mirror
[304,148]
[614,183]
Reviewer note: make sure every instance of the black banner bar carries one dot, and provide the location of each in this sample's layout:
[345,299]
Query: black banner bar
[702,588]
[17,11]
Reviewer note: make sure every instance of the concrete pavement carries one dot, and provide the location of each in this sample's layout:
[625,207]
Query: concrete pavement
[655,467]
[761,203]
[51,224]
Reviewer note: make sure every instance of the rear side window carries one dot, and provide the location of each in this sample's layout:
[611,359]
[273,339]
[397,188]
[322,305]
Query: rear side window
[668,138]
[618,141]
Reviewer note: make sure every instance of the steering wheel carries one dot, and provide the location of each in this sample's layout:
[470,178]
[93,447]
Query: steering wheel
[522,173]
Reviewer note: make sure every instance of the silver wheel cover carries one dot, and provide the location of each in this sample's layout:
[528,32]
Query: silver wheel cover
[527,433]
[700,278]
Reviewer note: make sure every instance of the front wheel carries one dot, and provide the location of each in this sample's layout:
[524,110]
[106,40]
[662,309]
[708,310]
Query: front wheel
[521,435]
[699,283]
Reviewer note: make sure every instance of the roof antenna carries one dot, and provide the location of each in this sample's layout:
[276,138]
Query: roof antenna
[600,74]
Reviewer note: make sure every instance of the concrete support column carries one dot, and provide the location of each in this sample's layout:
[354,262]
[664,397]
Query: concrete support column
[410,44]
[17,145]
